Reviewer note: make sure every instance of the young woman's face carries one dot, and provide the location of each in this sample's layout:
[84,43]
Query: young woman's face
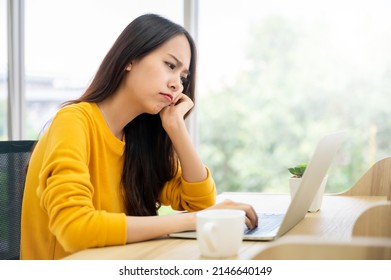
[156,80]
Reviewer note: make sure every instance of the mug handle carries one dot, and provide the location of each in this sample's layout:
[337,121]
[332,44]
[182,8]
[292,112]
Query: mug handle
[208,235]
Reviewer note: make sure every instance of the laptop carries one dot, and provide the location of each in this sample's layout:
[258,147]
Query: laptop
[274,225]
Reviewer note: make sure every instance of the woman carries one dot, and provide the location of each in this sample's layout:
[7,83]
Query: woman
[111,158]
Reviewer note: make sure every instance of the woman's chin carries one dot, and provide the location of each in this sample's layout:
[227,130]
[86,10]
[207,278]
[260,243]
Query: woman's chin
[157,109]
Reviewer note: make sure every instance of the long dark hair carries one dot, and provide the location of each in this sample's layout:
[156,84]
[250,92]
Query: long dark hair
[150,159]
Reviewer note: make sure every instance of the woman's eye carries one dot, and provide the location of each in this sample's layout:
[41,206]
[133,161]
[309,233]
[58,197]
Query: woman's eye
[172,66]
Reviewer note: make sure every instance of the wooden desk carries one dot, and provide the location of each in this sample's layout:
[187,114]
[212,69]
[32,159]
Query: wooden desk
[334,221]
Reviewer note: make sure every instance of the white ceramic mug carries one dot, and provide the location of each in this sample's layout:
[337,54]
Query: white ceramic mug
[220,232]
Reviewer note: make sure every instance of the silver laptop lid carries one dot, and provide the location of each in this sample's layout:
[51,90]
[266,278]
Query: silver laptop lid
[315,172]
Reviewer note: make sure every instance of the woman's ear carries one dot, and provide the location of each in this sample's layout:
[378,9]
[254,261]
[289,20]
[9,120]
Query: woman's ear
[128,67]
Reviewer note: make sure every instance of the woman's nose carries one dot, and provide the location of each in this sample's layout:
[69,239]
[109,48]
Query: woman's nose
[175,84]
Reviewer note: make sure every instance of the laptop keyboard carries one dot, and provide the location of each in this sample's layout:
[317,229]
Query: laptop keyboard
[267,222]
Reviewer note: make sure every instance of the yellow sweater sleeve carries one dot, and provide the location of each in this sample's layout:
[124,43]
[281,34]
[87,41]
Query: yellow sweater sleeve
[190,196]
[66,190]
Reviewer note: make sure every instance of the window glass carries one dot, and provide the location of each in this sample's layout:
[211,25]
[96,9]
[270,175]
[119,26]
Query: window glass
[276,75]
[3,70]
[65,43]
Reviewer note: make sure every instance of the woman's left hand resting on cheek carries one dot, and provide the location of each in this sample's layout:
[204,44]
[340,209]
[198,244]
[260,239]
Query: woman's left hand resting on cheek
[173,114]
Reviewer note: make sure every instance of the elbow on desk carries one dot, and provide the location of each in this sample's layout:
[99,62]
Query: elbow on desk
[97,230]
[72,241]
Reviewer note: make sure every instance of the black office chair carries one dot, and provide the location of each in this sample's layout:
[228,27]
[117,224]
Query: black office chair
[14,158]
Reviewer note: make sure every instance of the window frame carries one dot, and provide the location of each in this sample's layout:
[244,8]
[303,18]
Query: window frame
[16,73]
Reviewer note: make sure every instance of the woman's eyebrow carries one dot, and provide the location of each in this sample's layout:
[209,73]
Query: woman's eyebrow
[187,72]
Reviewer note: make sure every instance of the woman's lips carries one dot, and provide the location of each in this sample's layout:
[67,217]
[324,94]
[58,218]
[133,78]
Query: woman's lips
[168,96]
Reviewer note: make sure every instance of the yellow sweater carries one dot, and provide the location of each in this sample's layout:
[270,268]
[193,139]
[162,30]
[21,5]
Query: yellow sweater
[72,195]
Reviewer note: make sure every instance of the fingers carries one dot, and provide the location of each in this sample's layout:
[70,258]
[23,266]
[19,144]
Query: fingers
[178,99]
[179,106]
[175,111]
[251,219]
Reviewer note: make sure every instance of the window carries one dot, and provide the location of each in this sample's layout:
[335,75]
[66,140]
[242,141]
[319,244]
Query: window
[3,70]
[66,43]
[275,76]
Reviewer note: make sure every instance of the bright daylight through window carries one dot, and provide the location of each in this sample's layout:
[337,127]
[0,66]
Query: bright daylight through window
[276,75]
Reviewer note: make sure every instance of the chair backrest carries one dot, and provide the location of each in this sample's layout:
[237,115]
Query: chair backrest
[14,158]
[375,181]
[374,221]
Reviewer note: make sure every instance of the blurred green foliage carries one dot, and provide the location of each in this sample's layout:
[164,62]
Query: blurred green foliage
[300,85]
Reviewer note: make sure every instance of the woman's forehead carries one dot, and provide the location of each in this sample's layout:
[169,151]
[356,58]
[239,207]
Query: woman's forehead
[177,47]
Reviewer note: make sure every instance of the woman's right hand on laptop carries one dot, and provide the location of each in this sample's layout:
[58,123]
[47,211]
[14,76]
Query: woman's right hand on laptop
[251,215]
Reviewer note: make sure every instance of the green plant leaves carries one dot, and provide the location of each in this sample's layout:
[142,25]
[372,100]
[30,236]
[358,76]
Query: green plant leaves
[298,170]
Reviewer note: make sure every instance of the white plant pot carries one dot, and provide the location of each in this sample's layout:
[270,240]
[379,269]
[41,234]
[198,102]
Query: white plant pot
[317,201]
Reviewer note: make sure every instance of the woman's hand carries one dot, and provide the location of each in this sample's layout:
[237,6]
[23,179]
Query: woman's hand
[173,115]
[251,215]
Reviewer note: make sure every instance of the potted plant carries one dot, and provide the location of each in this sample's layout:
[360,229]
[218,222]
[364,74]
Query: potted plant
[298,170]
[297,173]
